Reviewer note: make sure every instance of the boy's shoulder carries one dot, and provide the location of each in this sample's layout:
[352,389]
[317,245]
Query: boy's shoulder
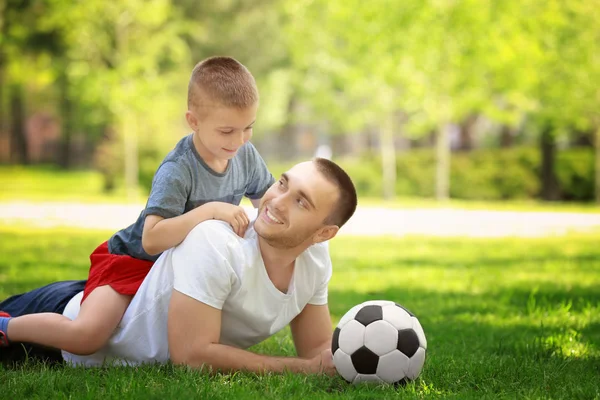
[181,150]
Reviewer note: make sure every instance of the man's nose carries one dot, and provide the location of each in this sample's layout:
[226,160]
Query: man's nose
[280,202]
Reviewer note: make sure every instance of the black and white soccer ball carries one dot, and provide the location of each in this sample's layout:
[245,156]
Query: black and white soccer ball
[379,341]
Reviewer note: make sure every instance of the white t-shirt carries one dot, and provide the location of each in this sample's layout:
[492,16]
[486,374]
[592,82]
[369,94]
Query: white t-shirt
[216,267]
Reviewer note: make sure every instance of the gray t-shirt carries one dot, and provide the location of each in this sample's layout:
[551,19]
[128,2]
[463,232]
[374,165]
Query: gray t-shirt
[183,182]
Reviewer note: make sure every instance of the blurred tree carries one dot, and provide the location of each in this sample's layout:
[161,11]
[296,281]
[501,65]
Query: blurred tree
[368,63]
[127,59]
[24,39]
[565,35]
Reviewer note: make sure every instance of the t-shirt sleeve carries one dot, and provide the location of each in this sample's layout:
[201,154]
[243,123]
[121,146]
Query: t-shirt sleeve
[321,293]
[259,177]
[201,267]
[170,188]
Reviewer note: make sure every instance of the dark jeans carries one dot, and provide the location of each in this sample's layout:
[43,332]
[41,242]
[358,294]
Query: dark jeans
[50,298]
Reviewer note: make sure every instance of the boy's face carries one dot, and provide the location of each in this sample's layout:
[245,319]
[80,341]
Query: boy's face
[221,131]
[292,212]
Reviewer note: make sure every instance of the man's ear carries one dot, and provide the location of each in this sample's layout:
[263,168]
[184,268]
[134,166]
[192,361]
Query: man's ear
[325,233]
[191,120]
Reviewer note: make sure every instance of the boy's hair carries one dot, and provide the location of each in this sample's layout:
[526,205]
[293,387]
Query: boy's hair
[346,203]
[225,80]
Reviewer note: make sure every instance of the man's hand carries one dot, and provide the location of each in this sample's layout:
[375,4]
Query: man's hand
[323,363]
[234,215]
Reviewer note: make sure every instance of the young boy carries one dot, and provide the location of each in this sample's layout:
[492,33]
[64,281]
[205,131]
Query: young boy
[204,177]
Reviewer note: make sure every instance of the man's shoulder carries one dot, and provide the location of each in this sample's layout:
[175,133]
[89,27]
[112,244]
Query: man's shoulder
[217,234]
[318,257]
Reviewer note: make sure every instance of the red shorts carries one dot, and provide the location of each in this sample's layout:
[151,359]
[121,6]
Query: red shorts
[123,273]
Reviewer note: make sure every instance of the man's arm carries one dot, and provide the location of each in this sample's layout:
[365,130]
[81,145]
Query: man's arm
[194,341]
[312,331]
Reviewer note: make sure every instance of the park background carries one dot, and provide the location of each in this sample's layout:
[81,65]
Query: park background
[471,129]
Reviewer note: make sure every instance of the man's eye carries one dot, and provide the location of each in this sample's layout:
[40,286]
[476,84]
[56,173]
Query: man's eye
[301,203]
[226,132]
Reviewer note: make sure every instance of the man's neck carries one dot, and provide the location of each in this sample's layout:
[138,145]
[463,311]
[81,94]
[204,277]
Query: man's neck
[276,258]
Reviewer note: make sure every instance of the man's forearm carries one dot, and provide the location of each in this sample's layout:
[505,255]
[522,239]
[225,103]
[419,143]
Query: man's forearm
[229,359]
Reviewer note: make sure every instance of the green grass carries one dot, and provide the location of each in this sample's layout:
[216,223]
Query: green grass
[47,183]
[504,318]
[43,183]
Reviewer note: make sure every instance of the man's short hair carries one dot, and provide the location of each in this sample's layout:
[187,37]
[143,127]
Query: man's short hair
[346,203]
[225,81]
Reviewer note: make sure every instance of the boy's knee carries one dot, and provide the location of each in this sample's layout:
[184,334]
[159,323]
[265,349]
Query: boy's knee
[87,340]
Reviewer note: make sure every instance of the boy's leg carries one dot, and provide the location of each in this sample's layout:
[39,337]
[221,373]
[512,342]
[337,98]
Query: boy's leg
[51,298]
[98,317]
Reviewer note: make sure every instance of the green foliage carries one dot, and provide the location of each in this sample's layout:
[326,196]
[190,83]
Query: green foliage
[504,318]
[496,174]
[575,171]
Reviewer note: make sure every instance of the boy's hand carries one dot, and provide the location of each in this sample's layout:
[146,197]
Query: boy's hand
[234,215]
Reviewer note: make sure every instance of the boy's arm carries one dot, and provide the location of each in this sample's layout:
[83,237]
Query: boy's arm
[161,234]
[195,342]
[255,202]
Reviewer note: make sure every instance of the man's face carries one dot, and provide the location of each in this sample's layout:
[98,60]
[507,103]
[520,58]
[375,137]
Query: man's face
[221,130]
[292,212]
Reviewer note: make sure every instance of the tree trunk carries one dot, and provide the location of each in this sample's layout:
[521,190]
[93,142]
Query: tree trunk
[18,149]
[4,137]
[131,155]
[506,136]
[66,109]
[466,133]
[550,189]
[4,128]
[598,164]
[388,157]
[286,143]
[128,122]
[442,178]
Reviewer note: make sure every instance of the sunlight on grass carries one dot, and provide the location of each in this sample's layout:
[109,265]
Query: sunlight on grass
[506,318]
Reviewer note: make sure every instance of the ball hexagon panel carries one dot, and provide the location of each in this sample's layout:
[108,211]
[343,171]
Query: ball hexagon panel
[377,303]
[420,332]
[416,364]
[344,366]
[405,309]
[408,342]
[362,378]
[349,316]
[352,337]
[381,337]
[397,316]
[364,361]
[393,367]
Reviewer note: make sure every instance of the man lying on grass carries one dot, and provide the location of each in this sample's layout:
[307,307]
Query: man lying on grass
[216,294]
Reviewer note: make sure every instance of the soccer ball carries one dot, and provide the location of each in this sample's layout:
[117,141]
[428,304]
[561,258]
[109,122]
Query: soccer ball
[379,341]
